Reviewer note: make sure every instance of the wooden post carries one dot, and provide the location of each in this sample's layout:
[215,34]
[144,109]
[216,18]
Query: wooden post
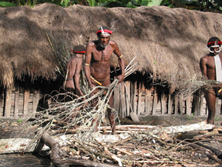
[123,99]
[202,108]
[176,105]
[25,102]
[128,104]
[134,97]
[148,101]
[7,103]
[188,105]
[139,99]
[155,98]
[163,104]
[35,101]
[116,101]
[181,104]
[16,102]
[218,105]
[169,107]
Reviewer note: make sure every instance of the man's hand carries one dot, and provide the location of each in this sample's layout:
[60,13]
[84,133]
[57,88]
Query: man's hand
[120,78]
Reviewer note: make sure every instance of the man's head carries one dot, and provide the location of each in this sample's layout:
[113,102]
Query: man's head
[214,44]
[79,49]
[104,36]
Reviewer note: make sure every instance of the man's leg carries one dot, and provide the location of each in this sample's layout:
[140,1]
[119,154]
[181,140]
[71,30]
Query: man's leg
[211,102]
[111,116]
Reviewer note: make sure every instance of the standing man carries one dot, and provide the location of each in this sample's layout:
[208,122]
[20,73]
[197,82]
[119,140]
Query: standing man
[73,70]
[97,65]
[211,69]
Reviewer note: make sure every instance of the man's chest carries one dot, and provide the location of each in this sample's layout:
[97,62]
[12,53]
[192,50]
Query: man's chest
[102,55]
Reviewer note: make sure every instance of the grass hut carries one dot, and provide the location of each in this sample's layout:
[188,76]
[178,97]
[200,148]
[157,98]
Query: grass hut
[168,43]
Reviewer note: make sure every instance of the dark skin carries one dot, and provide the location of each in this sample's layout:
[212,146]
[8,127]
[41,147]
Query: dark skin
[207,65]
[74,68]
[98,55]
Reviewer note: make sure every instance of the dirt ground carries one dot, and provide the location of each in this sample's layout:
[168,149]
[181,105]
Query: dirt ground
[10,128]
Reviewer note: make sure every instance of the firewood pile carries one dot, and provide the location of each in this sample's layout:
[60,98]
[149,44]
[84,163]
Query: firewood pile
[67,129]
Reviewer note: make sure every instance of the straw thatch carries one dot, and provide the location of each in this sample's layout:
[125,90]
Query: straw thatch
[169,42]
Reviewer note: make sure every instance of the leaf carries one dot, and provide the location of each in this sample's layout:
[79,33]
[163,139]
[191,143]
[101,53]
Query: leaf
[185,1]
[7,4]
[155,3]
[145,2]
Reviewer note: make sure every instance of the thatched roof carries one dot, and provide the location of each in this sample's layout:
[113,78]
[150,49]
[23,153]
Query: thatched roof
[169,42]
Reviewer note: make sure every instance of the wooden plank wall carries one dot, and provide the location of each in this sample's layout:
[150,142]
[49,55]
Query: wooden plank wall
[134,97]
[19,103]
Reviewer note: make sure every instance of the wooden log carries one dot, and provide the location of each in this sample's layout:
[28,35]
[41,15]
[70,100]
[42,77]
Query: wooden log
[7,102]
[29,145]
[58,158]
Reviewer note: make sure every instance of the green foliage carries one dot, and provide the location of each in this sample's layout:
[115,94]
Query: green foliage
[64,3]
[7,4]
[151,2]
[19,120]
[92,2]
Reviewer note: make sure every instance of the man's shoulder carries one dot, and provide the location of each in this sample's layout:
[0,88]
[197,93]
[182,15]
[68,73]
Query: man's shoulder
[92,43]
[111,42]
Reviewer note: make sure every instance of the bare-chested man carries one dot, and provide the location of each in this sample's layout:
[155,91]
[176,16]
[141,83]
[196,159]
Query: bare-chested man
[97,65]
[211,69]
[73,70]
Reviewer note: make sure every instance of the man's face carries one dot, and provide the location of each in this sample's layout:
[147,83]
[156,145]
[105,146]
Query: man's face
[214,50]
[104,40]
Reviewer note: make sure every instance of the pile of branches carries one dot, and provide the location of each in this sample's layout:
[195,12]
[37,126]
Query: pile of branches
[68,129]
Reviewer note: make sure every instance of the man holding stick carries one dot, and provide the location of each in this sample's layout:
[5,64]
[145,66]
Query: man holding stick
[211,69]
[97,66]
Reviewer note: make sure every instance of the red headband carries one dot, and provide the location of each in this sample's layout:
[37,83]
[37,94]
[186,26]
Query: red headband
[210,43]
[100,31]
[79,51]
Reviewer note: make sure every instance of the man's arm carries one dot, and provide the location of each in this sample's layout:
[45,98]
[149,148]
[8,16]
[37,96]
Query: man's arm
[77,78]
[87,62]
[203,67]
[120,60]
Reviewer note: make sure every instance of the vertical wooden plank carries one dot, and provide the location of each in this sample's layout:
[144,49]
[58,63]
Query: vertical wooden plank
[188,105]
[135,99]
[116,101]
[218,105]
[163,104]
[128,104]
[123,100]
[139,99]
[148,102]
[155,98]
[169,106]
[181,104]
[202,108]
[16,102]
[7,105]
[176,105]
[36,101]
[25,102]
